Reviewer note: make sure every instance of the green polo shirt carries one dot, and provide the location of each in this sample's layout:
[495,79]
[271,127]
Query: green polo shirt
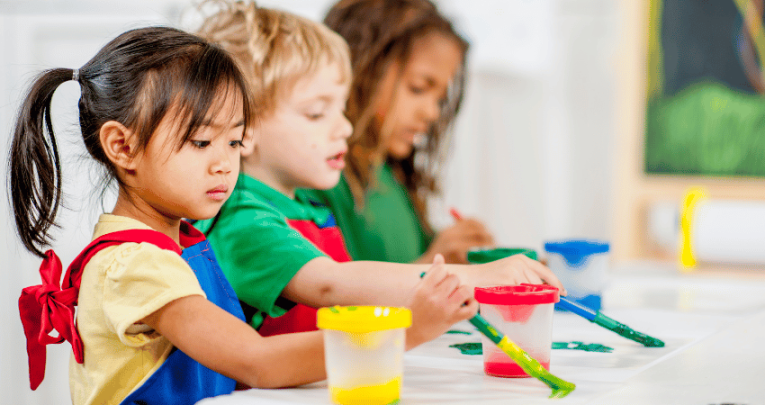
[257,250]
[386,229]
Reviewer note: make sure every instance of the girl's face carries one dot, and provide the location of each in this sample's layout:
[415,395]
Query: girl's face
[302,144]
[196,180]
[411,101]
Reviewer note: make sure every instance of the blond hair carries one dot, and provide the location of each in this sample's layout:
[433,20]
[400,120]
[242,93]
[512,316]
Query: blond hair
[274,48]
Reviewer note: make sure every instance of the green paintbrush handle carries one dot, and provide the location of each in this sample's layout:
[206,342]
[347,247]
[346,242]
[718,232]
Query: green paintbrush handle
[626,331]
[485,327]
[560,388]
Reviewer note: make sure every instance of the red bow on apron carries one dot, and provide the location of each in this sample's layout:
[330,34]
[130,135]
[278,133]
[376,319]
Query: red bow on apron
[46,307]
[50,306]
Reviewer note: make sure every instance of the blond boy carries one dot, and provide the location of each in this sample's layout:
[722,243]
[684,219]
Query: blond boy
[278,247]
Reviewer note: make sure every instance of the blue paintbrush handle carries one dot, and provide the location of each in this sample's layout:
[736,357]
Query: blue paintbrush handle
[578,309]
[599,319]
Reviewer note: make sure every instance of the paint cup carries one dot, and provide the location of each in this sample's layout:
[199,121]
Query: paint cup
[490,255]
[524,313]
[581,267]
[363,350]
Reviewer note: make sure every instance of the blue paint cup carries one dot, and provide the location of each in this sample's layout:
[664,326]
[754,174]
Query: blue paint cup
[581,266]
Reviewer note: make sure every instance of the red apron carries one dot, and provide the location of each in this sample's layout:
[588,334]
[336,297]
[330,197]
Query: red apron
[302,318]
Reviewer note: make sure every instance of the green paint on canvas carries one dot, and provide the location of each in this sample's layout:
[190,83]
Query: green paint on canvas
[575,345]
[469,349]
[458,332]
[473,349]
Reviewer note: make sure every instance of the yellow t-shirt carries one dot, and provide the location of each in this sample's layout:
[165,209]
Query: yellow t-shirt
[120,286]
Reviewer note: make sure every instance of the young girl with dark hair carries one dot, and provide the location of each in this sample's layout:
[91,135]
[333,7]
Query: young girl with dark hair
[409,69]
[166,114]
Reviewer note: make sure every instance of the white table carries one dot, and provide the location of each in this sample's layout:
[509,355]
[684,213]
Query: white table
[713,324]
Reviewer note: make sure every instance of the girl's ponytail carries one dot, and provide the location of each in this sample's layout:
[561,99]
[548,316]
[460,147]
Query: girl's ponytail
[35,170]
[136,79]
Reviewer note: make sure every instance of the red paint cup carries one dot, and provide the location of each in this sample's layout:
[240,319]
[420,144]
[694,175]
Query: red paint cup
[524,313]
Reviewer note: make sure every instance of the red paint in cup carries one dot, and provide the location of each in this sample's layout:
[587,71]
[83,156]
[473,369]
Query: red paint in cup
[498,366]
[524,314]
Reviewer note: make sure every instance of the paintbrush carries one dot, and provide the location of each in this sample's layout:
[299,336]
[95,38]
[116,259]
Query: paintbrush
[598,318]
[560,388]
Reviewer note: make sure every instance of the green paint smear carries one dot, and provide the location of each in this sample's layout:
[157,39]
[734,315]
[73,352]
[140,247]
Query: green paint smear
[473,349]
[458,332]
[590,347]
[626,331]
[469,349]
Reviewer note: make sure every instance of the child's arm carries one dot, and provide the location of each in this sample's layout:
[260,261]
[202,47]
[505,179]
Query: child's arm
[438,302]
[223,343]
[324,282]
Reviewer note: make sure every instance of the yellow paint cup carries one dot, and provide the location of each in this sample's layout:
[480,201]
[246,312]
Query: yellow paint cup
[364,350]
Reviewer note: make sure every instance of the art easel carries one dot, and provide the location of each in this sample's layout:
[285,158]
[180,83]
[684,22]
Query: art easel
[636,191]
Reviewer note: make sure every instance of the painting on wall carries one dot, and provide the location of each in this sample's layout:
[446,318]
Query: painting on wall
[705,112]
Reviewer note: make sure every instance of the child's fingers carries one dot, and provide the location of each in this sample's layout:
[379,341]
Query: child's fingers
[475,232]
[544,273]
[438,281]
[448,285]
[468,310]
[461,294]
[472,223]
[438,260]
[477,239]
[436,273]
[531,276]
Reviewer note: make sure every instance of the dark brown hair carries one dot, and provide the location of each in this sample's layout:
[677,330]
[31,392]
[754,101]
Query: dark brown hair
[380,33]
[135,80]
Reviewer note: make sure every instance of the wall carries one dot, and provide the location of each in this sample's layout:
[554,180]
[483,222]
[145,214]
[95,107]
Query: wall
[533,148]
[532,151]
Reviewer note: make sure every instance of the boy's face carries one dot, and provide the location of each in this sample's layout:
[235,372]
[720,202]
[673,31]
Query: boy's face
[302,144]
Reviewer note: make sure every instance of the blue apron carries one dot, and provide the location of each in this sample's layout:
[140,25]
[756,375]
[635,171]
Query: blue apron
[181,379]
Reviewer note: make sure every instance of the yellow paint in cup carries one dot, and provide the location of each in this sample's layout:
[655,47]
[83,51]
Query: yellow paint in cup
[386,393]
[364,347]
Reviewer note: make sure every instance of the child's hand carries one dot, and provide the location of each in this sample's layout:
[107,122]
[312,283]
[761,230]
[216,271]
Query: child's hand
[455,241]
[511,270]
[439,301]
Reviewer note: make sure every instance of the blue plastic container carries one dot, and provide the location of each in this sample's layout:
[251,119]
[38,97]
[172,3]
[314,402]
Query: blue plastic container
[581,265]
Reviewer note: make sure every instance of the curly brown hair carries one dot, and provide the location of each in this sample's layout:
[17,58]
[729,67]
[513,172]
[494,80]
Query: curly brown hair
[381,33]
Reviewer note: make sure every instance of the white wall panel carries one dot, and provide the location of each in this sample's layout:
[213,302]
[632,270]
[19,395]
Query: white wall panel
[533,148]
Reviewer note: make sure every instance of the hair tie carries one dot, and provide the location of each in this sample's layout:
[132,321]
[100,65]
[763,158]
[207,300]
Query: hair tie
[76,75]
